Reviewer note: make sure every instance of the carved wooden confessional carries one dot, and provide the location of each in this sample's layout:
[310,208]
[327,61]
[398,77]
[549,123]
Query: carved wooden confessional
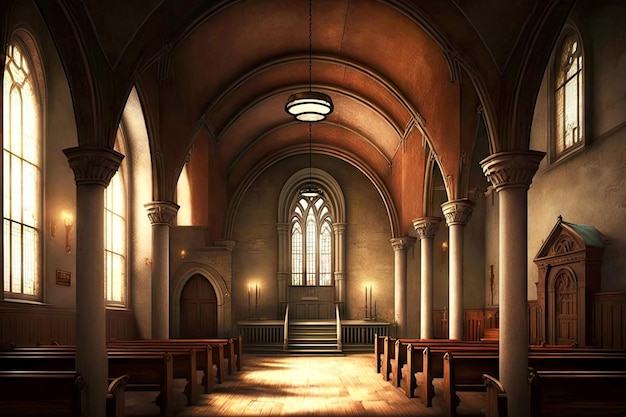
[569,264]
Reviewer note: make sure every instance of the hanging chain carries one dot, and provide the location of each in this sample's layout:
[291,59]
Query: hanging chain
[310,43]
[310,154]
[310,88]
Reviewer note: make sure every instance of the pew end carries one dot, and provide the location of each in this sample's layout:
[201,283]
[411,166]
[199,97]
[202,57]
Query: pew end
[496,398]
[115,397]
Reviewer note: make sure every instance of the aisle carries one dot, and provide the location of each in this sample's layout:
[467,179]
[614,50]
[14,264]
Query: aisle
[308,386]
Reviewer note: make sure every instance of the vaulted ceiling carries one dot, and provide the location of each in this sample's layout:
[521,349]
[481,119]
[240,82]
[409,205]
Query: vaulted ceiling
[398,71]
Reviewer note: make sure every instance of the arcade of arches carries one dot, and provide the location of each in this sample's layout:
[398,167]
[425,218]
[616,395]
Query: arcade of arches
[472,171]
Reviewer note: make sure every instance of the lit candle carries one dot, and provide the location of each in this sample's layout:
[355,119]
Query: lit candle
[366,298]
[249,300]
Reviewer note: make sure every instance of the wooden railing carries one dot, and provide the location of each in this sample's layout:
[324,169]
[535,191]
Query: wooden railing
[339,338]
[272,336]
[358,336]
[286,329]
[262,335]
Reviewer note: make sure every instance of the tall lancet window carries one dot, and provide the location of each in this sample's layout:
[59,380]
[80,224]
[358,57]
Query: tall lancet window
[115,232]
[311,243]
[22,189]
[568,99]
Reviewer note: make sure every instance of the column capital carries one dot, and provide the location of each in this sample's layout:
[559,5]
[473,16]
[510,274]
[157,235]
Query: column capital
[402,243]
[339,227]
[457,211]
[161,212]
[426,227]
[93,165]
[511,169]
[282,227]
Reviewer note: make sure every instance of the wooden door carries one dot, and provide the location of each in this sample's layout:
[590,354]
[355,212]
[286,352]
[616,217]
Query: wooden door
[566,313]
[198,309]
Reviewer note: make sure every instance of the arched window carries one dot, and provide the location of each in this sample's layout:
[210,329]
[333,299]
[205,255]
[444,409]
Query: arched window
[568,96]
[311,243]
[22,160]
[115,232]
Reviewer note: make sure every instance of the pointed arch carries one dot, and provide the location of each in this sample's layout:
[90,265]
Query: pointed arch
[182,276]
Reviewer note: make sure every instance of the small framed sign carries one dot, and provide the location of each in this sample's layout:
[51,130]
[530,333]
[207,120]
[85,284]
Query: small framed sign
[64,278]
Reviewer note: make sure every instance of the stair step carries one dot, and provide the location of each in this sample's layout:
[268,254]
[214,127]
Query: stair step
[313,337]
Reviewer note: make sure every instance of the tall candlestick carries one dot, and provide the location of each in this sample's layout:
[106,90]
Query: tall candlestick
[366,301]
[370,300]
[374,309]
[249,300]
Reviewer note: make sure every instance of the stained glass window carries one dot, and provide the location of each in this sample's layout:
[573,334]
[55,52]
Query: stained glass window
[311,243]
[22,192]
[568,95]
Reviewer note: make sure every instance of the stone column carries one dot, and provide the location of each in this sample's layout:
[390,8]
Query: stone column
[511,174]
[457,214]
[93,169]
[400,246]
[339,229]
[283,267]
[426,229]
[161,214]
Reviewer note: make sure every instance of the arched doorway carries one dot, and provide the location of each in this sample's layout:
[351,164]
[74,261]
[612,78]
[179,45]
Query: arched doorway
[198,309]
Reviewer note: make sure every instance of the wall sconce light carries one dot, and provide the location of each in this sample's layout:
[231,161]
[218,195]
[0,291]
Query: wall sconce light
[183,253]
[444,252]
[68,221]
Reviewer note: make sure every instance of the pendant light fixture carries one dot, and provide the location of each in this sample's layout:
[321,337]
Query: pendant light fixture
[309,106]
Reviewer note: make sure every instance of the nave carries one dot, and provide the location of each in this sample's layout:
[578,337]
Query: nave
[306,386]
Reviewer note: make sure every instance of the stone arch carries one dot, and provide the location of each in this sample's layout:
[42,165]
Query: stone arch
[184,273]
[336,202]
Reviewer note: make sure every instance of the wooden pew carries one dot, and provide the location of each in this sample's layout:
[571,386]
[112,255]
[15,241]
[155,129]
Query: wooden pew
[400,358]
[42,394]
[378,351]
[147,371]
[577,393]
[204,360]
[186,362]
[222,349]
[388,353]
[428,362]
[496,402]
[462,371]
[459,374]
[115,401]
[233,348]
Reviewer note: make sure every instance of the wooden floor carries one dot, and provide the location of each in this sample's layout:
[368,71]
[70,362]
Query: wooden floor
[305,386]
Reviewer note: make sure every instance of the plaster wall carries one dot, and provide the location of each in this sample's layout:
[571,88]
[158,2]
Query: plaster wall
[369,255]
[590,186]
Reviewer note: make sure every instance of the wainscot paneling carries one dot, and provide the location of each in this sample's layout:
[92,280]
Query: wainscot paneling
[535,329]
[29,324]
[609,319]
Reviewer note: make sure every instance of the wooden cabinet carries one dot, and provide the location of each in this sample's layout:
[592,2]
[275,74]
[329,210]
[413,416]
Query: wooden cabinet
[569,264]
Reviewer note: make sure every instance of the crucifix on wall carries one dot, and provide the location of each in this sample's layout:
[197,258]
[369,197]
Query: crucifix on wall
[491,284]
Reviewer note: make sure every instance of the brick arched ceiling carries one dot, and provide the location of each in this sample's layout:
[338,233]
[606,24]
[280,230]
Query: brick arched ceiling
[397,71]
